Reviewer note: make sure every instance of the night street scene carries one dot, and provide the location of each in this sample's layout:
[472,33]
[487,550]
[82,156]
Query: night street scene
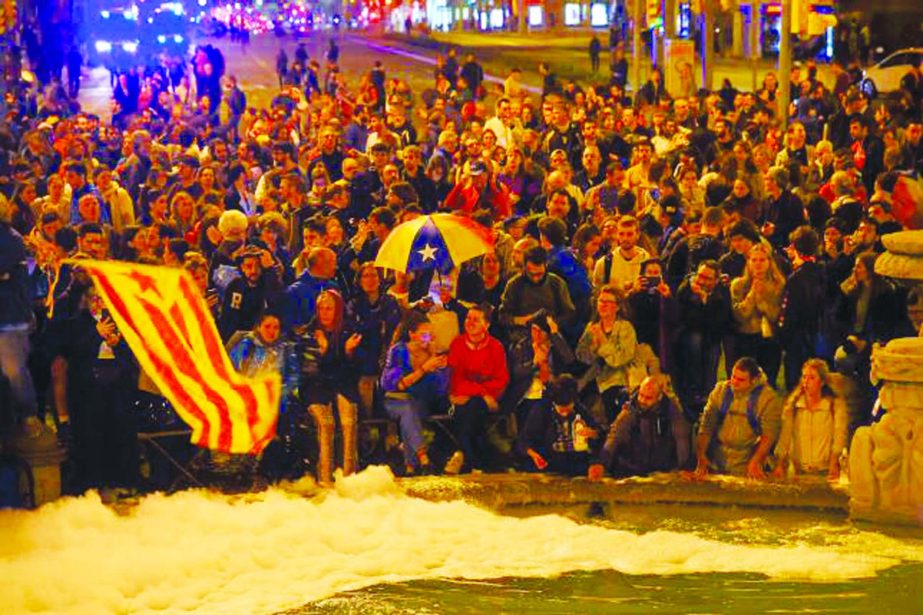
[461,306]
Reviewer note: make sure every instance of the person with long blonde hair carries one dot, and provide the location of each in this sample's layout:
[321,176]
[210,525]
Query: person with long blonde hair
[184,211]
[756,299]
[328,382]
[815,423]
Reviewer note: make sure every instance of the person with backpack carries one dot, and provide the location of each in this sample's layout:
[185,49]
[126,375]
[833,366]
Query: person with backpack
[564,262]
[650,434]
[622,265]
[740,424]
[690,251]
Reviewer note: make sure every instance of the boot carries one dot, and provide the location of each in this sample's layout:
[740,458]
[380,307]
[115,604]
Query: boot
[348,414]
[323,419]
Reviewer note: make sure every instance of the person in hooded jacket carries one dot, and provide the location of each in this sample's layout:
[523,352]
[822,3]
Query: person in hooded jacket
[650,434]
[564,262]
[559,435]
[328,382]
[264,350]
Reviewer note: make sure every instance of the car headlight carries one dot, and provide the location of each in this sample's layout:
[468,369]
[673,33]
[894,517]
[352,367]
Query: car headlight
[130,46]
[177,38]
[103,46]
[161,39]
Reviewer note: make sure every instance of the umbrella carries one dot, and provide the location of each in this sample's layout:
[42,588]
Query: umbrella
[437,241]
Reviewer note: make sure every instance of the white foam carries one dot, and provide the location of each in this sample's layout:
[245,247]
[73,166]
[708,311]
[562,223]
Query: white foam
[204,552]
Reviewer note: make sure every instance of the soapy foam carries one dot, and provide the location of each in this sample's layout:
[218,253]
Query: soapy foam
[203,552]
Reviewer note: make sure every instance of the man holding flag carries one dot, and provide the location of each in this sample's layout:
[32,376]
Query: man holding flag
[101,377]
[165,321]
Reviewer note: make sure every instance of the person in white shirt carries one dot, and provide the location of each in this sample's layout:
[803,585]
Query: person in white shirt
[502,123]
[121,206]
[622,266]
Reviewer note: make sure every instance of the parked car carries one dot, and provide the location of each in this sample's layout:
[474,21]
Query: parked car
[885,77]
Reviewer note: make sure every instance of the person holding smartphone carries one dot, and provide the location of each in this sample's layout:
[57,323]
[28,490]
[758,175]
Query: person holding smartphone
[704,305]
[652,310]
[414,380]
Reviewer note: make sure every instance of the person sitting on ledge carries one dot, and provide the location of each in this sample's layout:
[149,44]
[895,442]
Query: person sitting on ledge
[479,375]
[559,436]
[740,424]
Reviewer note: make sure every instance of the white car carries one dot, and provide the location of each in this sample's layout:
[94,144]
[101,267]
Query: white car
[885,77]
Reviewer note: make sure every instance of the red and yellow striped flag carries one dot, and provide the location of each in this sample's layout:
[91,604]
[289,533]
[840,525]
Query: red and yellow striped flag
[166,323]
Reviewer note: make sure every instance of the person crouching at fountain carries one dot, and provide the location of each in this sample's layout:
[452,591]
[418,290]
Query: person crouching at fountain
[739,425]
[650,434]
[815,423]
[559,436]
[328,382]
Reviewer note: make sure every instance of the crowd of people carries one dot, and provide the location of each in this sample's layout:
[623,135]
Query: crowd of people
[639,245]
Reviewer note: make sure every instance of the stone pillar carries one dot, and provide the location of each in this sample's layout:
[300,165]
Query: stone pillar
[784,93]
[756,51]
[637,52]
[886,459]
[737,50]
[708,43]
[42,456]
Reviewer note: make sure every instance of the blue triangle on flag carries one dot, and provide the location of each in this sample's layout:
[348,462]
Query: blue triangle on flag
[428,250]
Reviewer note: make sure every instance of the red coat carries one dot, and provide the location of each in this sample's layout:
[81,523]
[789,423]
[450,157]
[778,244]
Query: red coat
[466,198]
[477,371]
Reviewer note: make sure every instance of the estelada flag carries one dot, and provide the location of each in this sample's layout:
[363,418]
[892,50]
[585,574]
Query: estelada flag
[167,324]
[907,201]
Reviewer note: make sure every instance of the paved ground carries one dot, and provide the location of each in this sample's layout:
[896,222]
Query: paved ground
[413,60]
[255,67]
[568,53]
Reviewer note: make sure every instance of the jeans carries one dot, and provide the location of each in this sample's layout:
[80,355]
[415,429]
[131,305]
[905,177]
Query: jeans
[14,366]
[105,450]
[409,415]
[798,349]
[698,368]
[767,353]
[470,419]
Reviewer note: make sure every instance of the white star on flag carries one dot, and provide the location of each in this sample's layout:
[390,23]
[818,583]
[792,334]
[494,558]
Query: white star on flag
[428,253]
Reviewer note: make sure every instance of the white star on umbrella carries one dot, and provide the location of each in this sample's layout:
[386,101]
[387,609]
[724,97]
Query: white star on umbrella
[428,253]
